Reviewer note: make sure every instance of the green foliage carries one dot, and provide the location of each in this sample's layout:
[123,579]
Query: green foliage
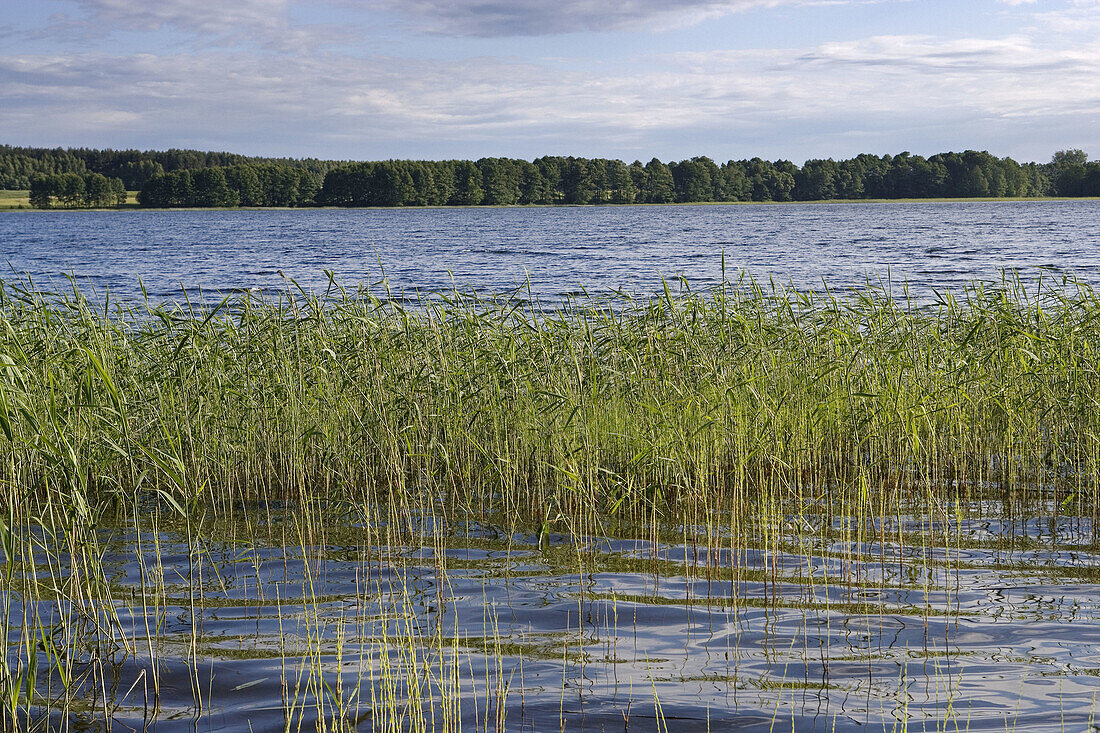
[1074,175]
[570,180]
[658,186]
[735,390]
[546,180]
[850,433]
[500,181]
[76,191]
[18,166]
[210,188]
[467,187]
[265,184]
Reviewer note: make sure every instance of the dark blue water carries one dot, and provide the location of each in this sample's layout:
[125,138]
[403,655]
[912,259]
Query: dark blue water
[560,250]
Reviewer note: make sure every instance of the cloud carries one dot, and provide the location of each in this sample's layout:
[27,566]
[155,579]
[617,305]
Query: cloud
[852,96]
[208,17]
[1082,17]
[211,23]
[488,18]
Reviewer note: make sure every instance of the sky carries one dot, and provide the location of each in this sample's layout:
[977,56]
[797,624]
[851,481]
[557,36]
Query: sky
[436,79]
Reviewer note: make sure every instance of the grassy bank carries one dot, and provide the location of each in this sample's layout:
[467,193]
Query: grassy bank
[21,200]
[15,200]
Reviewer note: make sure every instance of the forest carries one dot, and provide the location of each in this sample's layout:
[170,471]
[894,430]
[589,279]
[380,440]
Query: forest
[20,165]
[186,178]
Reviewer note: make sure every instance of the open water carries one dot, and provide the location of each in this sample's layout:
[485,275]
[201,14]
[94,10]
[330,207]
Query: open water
[559,251]
[980,624]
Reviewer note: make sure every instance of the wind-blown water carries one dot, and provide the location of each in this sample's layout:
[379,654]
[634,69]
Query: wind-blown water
[958,617]
[928,639]
[561,251]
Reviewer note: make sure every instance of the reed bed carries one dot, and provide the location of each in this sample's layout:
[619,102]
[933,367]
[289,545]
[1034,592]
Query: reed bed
[492,407]
[744,416]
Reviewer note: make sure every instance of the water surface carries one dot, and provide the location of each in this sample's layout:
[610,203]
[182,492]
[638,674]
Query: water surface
[559,251]
[994,629]
[989,623]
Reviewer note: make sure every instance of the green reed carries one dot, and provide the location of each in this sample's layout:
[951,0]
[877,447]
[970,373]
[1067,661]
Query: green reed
[750,414]
[626,408]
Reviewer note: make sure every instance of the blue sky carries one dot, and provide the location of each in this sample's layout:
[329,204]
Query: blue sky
[369,79]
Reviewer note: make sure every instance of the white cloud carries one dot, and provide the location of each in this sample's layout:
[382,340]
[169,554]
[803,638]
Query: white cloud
[344,106]
[211,23]
[1082,17]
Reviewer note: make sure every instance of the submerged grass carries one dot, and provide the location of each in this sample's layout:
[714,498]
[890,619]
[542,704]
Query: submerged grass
[745,416]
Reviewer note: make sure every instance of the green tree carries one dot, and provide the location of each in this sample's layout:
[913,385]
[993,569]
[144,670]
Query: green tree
[210,188]
[135,173]
[576,181]
[1090,185]
[280,184]
[620,182]
[72,189]
[977,184]
[533,186]
[1073,158]
[597,180]
[660,186]
[467,189]
[499,182]
[738,186]
[769,181]
[551,169]
[443,177]
[45,190]
[309,186]
[1067,172]
[118,192]
[97,190]
[344,186]
[816,181]
[691,181]
[243,179]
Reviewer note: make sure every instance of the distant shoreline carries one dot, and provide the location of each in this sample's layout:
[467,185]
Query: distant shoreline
[19,201]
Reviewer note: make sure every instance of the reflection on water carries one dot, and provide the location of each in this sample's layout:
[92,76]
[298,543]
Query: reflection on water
[989,627]
[557,250]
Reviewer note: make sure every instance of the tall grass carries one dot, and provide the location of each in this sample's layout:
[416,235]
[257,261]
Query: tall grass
[483,407]
[744,410]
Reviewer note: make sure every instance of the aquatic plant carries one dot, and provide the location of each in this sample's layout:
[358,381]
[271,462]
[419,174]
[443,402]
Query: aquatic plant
[746,420]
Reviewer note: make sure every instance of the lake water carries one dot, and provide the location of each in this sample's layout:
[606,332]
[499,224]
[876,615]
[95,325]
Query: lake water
[560,250]
[998,629]
[987,621]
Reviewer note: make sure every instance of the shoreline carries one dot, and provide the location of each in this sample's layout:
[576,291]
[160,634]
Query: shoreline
[23,204]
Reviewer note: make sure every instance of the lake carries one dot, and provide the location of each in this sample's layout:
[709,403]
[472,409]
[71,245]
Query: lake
[561,251]
[687,516]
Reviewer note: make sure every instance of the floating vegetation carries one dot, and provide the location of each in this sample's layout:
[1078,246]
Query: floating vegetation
[748,506]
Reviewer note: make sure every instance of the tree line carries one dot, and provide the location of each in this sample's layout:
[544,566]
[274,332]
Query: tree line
[186,178]
[20,165]
[76,190]
[263,184]
[554,180]
[561,180]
